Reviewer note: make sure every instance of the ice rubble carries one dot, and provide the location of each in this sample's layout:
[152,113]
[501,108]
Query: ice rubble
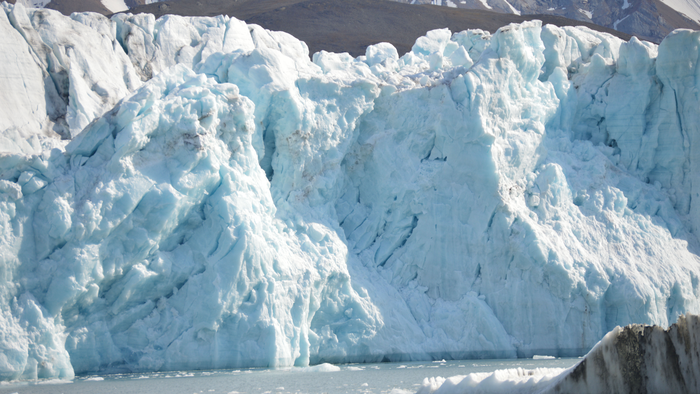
[480,196]
[633,359]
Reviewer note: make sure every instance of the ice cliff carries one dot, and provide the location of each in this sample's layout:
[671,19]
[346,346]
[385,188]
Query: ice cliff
[197,193]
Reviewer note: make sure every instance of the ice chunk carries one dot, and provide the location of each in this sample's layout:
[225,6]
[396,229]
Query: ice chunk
[325,367]
[380,53]
[632,359]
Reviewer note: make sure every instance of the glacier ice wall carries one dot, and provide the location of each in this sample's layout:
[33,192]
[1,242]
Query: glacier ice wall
[67,72]
[198,193]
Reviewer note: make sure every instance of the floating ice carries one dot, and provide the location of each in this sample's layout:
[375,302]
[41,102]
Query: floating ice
[224,201]
[325,367]
[517,380]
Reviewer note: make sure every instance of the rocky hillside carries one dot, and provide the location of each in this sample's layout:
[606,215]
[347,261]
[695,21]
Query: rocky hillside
[351,25]
[651,20]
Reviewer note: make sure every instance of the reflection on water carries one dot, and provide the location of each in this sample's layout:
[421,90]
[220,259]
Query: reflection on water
[347,378]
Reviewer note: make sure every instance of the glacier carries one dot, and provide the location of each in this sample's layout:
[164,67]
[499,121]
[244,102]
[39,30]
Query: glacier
[195,193]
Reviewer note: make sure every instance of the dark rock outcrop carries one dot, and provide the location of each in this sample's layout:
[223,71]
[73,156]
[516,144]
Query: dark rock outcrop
[640,359]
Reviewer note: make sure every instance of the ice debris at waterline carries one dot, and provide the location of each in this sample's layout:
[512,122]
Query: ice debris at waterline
[219,200]
[634,359]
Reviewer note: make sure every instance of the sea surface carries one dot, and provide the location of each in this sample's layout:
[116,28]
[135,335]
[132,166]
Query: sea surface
[350,378]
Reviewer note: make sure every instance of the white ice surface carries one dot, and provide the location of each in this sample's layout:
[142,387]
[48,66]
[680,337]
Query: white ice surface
[78,71]
[23,114]
[483,195]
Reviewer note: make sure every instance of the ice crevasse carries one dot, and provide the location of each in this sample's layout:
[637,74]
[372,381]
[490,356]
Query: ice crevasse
[188,193]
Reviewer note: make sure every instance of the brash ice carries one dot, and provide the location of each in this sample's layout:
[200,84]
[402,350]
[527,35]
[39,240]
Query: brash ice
[220,200]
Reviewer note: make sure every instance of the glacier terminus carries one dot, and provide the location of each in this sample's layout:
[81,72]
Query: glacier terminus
[199,193]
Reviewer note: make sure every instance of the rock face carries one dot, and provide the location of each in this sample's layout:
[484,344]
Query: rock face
[221,200]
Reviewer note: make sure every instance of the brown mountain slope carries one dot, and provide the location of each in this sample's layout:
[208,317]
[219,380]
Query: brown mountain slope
[650,19]
[67,7]
[352,25]
[336,25]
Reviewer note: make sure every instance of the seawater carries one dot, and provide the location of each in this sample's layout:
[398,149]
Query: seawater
[351,378]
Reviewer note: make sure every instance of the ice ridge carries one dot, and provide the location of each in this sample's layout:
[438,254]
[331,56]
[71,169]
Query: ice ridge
[188,193]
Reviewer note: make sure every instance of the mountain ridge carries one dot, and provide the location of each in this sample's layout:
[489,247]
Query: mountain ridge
[352,25]
[341,25]
[650,20]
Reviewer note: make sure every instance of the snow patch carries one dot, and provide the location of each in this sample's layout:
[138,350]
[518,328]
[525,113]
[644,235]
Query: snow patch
[689,8]
[115,5]
[617,22]
[512,9]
